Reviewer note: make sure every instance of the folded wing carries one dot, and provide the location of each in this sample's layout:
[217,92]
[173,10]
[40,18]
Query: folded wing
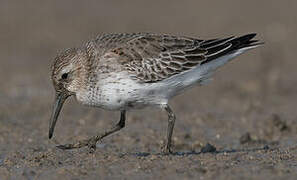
[152,58]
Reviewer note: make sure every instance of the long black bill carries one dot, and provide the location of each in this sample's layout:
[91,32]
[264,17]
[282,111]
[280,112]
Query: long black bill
[59,100]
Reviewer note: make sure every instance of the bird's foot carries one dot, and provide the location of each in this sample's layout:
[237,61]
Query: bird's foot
[166,150]
[91,143]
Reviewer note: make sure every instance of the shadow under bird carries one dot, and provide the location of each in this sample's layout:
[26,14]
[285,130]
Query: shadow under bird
[131,71]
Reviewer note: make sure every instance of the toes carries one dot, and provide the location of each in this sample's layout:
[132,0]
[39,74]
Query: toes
[92,146]
[64,147]
[90,143]
[72,146]
[92,149]
[166,151]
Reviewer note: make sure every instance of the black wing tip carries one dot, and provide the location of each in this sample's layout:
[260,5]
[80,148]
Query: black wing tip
[251,38]
[246,40]
[250,35]
[234,43]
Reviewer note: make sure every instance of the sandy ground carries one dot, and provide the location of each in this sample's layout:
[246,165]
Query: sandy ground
[248,113]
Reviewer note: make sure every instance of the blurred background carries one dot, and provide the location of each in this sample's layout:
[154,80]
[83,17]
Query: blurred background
[254,94]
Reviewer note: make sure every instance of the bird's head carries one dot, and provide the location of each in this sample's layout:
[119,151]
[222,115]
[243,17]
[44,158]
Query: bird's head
[68,77]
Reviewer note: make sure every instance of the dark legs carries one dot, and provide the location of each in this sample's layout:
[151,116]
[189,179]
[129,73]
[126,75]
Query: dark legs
[171,120]
[91,143]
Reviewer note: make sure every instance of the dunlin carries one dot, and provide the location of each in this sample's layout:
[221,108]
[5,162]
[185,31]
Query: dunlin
[131,71]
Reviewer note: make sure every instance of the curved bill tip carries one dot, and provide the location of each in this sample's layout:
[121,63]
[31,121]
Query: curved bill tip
[58,104]
[50,134]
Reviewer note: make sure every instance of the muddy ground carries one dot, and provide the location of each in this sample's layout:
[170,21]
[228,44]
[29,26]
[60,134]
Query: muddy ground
[248,113]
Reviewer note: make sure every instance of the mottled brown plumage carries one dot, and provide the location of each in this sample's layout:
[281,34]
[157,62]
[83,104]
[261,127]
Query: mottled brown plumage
[155,57]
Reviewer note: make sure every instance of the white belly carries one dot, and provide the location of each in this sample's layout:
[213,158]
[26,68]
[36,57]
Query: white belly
[118,91]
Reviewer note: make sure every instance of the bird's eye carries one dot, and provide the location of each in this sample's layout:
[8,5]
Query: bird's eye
[64,76]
